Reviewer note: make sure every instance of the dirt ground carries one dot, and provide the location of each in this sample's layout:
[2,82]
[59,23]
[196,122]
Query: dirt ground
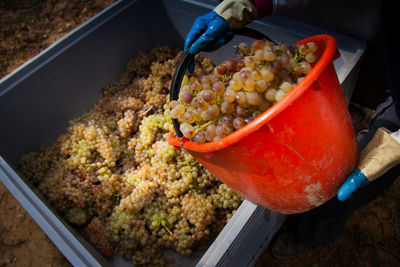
[371,237]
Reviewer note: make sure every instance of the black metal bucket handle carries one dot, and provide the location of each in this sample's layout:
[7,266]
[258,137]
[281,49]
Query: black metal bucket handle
[187,58]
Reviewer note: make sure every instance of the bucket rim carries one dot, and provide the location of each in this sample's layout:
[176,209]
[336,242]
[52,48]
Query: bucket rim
[329,54]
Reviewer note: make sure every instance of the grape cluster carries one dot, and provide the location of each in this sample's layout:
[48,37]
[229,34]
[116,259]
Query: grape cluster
[213,105]
[115,177]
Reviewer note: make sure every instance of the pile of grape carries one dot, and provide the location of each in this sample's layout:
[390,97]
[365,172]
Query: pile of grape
[213,105]
[115,177]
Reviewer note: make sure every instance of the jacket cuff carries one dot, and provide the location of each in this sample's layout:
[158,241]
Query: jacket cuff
[238,13]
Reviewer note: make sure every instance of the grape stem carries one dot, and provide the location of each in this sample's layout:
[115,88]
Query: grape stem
[298,57]
[201,127]
[218,100]
[239,50]
[188,163]
[116,197]
[148,110]
[226,77]
[164,224]
[278,48]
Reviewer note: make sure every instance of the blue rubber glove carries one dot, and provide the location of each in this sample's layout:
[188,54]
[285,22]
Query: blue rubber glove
[352,183]
[208,33]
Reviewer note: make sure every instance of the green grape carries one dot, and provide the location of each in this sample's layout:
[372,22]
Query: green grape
[230,65]
[206,86]
[227,107]
[243,48]
[200,137]
[261,86]
[179,109]
[213,111]
[241,98]
[229,95]
[220,70]
[218,87]
[221,130]
[205,79]
[269,55]
[210,132]
[249,62]
[238,123]
[253,98]
[205,116]
[235,84]
[241,111]
[259,55]
[187,130]
[279,95]
[173,104]
[275,67]
[312,47]
[195,86]
[264,105]
[187,97]
[245,74]
[226,120]
[249,85]
[304,49]
[286,87]
[195,113]
[257,45]
[267,75]
[198,102]
[189,117]
[209,95]
[283,59]
[256,75]
[310,58]
[270,94]
[306,67]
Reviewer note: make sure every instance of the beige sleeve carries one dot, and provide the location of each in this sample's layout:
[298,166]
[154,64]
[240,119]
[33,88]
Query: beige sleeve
[238,13]
[381,154]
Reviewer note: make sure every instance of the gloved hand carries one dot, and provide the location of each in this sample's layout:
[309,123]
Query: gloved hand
[352,183]
[214,29]
[208,33]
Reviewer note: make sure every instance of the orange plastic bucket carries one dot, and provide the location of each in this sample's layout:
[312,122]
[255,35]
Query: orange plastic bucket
[294,156]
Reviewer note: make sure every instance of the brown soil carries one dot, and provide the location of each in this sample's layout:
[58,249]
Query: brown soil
[20,237]
[372,235]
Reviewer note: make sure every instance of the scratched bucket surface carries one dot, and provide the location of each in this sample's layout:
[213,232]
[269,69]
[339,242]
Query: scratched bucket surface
[294,156]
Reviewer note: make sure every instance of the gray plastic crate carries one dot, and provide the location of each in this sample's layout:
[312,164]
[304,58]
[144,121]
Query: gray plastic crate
[39,99]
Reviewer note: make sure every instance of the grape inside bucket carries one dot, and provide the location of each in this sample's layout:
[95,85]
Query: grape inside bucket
[295,155]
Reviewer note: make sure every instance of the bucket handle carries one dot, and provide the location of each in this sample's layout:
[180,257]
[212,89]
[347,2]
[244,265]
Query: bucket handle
[187,58]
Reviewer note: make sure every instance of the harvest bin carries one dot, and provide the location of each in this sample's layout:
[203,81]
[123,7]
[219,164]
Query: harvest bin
[39,99]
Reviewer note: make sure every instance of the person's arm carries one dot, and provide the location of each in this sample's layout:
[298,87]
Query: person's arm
[381,154]
[214,29]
